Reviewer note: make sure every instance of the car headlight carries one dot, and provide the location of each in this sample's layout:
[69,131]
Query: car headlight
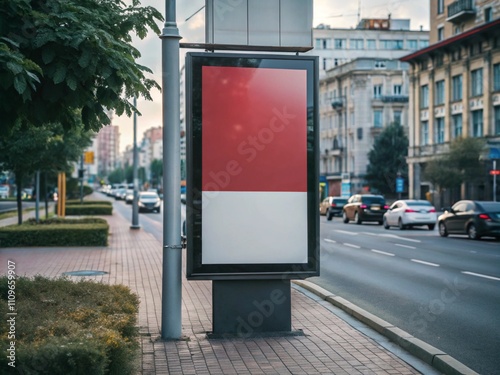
[141,204]
[157,204]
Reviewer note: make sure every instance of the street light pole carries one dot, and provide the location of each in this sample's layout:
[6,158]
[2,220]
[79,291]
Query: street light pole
[135,203]
[494,181]
[172,248]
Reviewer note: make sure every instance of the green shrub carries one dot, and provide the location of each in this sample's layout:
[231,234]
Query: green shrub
[90,209]
[73,202]
[56,232]
[65,327]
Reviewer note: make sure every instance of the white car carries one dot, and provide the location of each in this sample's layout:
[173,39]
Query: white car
[4,192]
[407,213]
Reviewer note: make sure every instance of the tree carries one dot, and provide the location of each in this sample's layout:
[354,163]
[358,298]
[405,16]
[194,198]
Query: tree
[156,171]
[46,148]
[117,176]
[62,56]
[388,159]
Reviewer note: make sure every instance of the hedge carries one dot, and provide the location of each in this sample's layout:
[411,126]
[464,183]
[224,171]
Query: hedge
[56,232]
[66,327]
[73,202]
[89,209]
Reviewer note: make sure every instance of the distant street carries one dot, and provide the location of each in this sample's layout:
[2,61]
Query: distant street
[444,291]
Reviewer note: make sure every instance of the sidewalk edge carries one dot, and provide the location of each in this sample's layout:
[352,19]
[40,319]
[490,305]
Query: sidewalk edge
[427,353]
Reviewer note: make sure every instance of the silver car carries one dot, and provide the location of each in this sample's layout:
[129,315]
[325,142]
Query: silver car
[407,213]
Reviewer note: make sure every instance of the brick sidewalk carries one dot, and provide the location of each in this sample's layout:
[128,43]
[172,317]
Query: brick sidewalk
[134,258]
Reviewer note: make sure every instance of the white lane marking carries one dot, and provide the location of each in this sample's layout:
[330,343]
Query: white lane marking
[425,263]
[406,246]
[481,275]
[382,252]
[399,238]
[346,232]
[351,245]
[329,240]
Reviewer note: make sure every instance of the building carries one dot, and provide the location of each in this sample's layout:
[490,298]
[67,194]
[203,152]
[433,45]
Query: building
[363,87]
[108,149]
[455,90]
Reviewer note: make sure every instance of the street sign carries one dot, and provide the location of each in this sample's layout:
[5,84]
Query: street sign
[89,157]
[400,184]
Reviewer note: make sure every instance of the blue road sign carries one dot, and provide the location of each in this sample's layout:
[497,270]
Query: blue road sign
[400,184]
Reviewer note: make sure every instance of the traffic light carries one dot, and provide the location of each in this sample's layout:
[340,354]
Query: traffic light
[81,172]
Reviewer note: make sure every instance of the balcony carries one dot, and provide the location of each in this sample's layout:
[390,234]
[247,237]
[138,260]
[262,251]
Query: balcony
[460,10]
[394,98]
[338,103]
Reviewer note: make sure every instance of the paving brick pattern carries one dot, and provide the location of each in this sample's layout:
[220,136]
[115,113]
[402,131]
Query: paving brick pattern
[134,258]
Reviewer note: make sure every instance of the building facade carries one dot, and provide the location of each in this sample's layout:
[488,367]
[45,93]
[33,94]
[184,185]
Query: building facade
[363,87]
[455,90]
[108,149]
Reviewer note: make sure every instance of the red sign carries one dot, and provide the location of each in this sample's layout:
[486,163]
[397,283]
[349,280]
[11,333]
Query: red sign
[495,172]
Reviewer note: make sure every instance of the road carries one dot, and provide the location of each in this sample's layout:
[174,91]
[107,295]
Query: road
[444,291]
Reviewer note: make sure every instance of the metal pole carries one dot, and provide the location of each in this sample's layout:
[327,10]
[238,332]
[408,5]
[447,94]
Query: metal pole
[135,202]
[172,249]
[80,173]
[494,181]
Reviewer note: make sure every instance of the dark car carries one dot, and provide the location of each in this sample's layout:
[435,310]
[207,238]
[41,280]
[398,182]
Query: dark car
[332,206]
[475,218]
[149,202]
[364,207]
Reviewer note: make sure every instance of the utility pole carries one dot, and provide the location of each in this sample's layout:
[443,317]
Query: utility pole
[135,202]
[171,323]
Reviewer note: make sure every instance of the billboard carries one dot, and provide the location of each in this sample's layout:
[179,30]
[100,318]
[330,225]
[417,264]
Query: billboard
[252,196]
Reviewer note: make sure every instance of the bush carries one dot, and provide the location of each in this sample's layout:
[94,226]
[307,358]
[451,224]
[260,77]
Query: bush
[56,232]
[65,327]
[76,202]
[89,209]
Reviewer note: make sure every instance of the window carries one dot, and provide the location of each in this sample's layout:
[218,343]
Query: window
[440,6]
[424,96]
[379,64]
[496,77]
[371,44]
[477,123]
[477,82]
[456,125]
[339,43]
[391,44]
[377,118]
[377,91]
[412,44]
[397,117]
[397,89]
[424,133]
[497,121]
[356,44]
[488,14]
[439,95]
[424,43]
[457,29]
[321,43]
[439,130]
[440,31]
[456,88]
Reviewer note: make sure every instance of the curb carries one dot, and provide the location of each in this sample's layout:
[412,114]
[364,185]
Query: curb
[427,353]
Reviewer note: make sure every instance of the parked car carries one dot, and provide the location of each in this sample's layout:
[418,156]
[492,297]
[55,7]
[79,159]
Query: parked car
[364,207]
[332,206]
[475,218]
[407,213]
[149,202]
[129,196]
[4,191]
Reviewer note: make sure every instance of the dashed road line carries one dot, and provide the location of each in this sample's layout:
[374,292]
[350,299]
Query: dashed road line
[425,263]
[329,240]
[346,232]
[481,275]
[405,246]
[383,253]
[399,238]
[351,245]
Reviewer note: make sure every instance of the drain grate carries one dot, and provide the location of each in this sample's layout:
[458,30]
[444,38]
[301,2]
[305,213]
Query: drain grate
[85,273]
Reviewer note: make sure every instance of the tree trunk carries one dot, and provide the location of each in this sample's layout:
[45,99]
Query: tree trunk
[19,179]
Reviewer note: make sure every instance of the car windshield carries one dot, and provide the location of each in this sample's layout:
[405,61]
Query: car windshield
[340,200]
[419,203]
[491,206]
[149,195]
[372,200]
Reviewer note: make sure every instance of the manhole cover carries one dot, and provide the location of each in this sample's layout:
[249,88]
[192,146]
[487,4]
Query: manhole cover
[85,273]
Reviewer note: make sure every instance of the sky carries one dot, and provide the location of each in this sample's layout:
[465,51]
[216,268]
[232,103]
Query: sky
[336,13]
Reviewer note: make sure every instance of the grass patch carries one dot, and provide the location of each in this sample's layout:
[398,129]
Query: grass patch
[66,327]
[56,232]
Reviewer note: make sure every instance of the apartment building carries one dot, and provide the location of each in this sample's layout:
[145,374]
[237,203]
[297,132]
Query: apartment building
[363,87]
[455,90]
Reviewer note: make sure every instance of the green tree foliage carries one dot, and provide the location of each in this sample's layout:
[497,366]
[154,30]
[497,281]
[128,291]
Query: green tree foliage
[46,148]
[62,56]
[117,176]
[156,171]
[388,159]
[461,164]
